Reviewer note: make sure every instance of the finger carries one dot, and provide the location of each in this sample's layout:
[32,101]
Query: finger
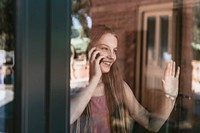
[173,68]
[178,72]
[90,52]
[163,84]
[100,58]
[94,55]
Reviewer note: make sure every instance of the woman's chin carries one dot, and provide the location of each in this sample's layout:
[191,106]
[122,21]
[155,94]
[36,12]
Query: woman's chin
[105,70]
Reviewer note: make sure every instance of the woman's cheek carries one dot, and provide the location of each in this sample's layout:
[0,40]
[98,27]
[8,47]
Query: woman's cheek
[104,53]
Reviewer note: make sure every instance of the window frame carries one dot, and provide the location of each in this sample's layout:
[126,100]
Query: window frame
[42,53]
[140,58]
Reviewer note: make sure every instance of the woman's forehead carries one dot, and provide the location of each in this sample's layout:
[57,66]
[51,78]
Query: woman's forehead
[108,39]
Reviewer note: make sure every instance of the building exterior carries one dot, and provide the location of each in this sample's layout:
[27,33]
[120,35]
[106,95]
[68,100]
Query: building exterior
[150,34]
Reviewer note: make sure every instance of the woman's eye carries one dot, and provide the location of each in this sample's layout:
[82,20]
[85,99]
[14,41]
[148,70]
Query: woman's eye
[104,48]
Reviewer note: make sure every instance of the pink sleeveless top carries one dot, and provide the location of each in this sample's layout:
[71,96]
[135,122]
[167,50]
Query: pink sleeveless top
[100,115]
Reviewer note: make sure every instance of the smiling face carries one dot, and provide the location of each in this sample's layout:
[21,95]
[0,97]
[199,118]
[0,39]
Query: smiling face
[107,45]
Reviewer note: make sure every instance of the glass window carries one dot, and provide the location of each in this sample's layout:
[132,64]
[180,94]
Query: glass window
[150,35]
[151,39]
[81,24]
[195,62]
[7,62]
[164,37]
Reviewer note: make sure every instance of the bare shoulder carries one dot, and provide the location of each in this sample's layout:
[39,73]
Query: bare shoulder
[128,90]
[137,111]
[130,95]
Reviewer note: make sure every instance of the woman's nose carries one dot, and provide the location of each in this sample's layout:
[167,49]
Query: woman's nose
[111,55]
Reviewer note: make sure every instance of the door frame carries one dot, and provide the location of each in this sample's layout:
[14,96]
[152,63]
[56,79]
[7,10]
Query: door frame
[139,55]
[42,55]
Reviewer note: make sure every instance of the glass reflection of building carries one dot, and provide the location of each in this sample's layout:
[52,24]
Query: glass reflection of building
[150,35]
[7,31]
[81,23]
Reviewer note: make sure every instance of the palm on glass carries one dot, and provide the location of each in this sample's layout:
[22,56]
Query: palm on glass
[171,79]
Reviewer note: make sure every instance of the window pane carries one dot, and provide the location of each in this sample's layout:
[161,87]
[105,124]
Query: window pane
[164,28]
[153,71]
[170,29]
[151,28]
[195,73]
[81,24]
[7,62]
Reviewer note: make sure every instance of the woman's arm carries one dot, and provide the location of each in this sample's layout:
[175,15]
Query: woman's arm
[154,121]
[151,121]
[79,101]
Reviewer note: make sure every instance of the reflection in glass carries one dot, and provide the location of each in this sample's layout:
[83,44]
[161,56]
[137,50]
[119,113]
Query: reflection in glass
[164,38]
[167,32]
[196,66]
[157,50]
[151,24]
[6,65]
[81,24]
[157,55]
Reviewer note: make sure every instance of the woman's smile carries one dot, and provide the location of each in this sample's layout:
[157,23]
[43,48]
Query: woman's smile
[107,63]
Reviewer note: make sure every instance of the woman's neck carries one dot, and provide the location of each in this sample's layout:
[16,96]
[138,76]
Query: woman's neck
[99,91]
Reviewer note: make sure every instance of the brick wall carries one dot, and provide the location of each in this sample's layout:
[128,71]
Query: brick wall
[186,58]
[122,16]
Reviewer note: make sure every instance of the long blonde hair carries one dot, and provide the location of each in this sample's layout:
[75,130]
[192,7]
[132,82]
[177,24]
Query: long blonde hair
[114,90]
[113,86]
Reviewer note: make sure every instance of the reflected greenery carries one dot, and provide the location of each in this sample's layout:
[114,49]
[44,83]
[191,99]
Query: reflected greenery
[196,29]
[81,23]
[81,9]
[196,33]
[7,13]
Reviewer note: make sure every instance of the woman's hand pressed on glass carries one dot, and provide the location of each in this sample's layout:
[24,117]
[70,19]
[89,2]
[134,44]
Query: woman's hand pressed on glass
[171,80]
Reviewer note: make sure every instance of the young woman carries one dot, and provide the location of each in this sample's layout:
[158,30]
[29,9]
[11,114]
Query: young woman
[107,104]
